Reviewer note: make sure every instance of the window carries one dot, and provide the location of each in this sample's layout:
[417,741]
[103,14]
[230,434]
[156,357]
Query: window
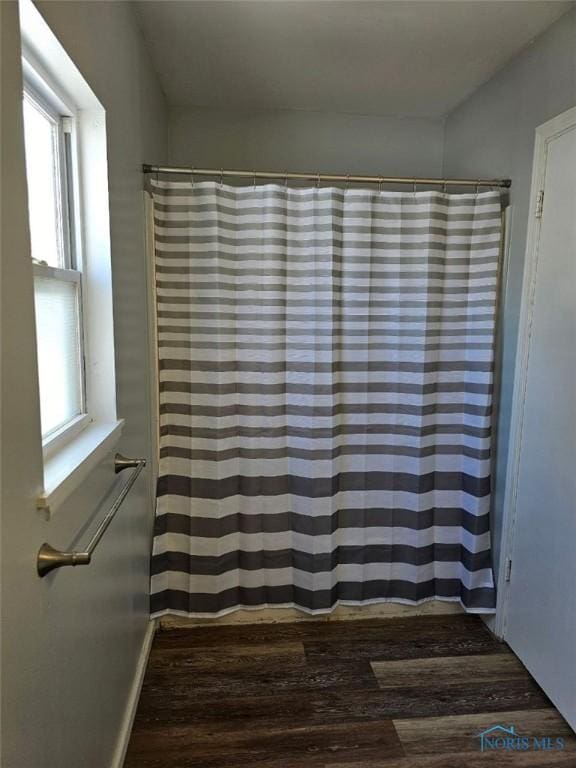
[48,136]
[67,175]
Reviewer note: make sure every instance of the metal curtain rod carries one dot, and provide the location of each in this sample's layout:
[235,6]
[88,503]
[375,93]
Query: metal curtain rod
[318,177]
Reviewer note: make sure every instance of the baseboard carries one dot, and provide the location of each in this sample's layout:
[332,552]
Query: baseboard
[491,623]
[134,696]
[381,610]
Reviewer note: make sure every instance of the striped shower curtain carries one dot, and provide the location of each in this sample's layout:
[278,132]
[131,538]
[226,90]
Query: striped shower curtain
[325,371]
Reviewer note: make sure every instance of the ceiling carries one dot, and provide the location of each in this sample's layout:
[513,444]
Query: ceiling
[374,58]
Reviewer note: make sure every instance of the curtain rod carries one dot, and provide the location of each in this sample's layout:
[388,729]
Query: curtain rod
[319,177]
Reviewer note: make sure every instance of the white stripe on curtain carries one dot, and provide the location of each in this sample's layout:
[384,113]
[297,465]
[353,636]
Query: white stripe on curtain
[326,372]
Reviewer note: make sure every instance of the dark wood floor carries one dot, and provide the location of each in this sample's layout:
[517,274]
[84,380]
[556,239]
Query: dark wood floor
[385,693]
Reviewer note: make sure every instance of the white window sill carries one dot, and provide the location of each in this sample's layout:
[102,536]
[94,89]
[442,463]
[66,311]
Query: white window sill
[67,468]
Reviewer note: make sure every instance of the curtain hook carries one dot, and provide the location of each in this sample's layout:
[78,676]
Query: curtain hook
[254,179]
[380,182]
[414,187]
[221,177]
[286,179]
[477,185]
[192,179]
[317,181]
[444,187]
[348,181]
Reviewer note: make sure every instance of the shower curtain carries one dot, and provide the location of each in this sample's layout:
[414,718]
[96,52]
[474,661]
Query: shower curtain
[326,372]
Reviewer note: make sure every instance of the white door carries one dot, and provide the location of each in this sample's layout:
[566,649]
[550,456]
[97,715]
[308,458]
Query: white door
[540,598]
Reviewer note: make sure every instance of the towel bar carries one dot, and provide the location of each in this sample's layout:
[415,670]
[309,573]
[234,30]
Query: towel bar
[50,558]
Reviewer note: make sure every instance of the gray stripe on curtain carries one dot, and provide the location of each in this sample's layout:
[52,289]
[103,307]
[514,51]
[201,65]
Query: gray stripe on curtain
[318,601]
[320,525]
[326,376]
[315,487]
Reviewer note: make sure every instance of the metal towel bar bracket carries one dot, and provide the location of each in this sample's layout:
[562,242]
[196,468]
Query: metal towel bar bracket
[49,558]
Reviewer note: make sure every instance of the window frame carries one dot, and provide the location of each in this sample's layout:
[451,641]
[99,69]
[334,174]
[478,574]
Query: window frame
[47,97]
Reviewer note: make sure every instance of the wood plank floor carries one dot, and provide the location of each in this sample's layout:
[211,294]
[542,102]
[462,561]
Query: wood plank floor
[384,693]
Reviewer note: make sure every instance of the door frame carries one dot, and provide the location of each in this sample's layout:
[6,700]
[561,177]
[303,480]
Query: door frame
[545,133]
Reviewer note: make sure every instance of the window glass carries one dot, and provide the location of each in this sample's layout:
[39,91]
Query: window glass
[56,286]
[43,173]
[59,351]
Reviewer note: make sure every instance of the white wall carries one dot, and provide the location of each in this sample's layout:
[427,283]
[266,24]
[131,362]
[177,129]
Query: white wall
[71,641]
[280,140]
[492,134]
